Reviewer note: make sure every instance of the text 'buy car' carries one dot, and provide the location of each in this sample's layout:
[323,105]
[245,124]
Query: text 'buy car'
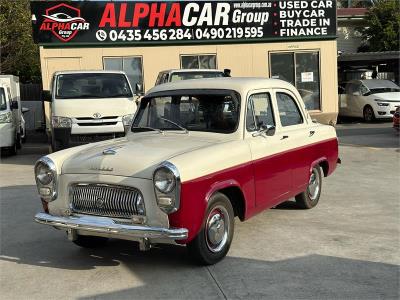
[199,154]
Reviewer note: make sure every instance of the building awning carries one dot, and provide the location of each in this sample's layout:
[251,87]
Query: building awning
[369,57]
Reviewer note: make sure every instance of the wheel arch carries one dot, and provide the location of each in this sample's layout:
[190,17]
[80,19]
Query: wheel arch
[323,163]
[232,190]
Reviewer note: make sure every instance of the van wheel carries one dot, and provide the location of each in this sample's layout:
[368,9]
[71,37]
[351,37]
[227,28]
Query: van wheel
[13,150]
[309,198]
[18,142]
[213,241]
[87,241]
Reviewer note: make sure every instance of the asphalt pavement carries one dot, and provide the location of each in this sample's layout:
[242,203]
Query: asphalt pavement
[345,248]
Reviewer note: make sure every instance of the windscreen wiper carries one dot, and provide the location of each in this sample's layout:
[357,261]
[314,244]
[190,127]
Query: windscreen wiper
[146,129]
[176,124]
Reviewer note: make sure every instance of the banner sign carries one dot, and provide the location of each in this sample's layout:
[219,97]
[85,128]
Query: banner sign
[181,22]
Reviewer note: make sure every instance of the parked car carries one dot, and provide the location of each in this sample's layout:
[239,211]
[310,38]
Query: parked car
[185,74]
[200,153]
[11,124]
[396,119]
[88,106]
[369,99]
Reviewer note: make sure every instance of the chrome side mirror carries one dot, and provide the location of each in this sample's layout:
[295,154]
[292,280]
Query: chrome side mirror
[265,130]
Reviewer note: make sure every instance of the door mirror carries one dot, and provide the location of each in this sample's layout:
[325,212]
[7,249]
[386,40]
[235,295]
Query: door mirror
[356,93]
[139,89]
[267,130]
[14,105]
[46,96]
[25,110]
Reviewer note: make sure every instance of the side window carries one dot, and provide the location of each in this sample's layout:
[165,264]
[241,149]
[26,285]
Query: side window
[259,112]
[289,112]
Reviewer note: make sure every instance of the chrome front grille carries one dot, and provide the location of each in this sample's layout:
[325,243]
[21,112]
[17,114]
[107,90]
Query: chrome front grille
[106,200]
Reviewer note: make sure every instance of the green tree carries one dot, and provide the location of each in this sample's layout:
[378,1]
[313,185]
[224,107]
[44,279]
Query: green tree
[382,29]
[19,55]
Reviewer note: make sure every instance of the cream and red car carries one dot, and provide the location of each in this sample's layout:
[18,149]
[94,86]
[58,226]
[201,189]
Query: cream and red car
[200,153]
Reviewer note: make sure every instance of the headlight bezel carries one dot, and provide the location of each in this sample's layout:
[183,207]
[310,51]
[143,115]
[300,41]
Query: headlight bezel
[61,122]
[173,194]
[52,185]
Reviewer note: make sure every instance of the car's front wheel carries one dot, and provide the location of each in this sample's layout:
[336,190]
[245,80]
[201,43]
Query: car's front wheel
[368,113]
[214,239]
[87,241]
[309,198]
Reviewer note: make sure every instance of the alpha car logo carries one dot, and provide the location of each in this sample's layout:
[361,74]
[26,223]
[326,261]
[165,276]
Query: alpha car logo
[97,115]
[64,21]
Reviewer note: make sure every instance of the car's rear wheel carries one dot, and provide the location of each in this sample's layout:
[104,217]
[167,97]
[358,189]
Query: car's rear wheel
[310,197]
[214,239]
[368,113]
[87,241]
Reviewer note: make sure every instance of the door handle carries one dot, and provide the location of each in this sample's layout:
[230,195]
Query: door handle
[312,133]
[285,137]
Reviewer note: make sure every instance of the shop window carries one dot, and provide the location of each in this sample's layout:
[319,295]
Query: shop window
[132,66]
[207,61]
[302,70]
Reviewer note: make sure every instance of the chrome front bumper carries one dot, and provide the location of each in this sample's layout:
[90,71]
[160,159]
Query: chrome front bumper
[108,226]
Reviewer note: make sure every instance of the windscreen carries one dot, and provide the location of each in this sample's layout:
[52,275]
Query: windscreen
[3,103]
[194,75]
[384,90]
[212,112]
[92,85]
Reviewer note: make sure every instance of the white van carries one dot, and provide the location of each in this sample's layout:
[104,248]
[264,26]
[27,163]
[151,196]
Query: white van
[89,106]
[10,121]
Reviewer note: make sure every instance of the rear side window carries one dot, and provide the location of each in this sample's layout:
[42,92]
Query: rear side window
[289,112]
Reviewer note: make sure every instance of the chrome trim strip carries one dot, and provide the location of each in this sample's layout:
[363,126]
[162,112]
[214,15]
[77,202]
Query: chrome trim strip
[107,225]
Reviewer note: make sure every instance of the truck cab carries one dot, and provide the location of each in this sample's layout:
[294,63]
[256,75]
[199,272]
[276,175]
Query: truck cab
[88,106]
[11,132]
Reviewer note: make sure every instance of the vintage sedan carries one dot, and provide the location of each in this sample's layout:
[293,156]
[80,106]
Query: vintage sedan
[199,154]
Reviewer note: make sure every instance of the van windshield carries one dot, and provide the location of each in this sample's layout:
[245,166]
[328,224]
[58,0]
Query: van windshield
[92,85]
[209,111]
[3,103]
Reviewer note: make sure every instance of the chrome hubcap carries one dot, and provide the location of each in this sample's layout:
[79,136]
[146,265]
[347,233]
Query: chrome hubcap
[217,229]
[313,185]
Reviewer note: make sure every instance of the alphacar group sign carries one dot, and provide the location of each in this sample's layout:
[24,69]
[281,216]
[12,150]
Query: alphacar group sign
[169,22]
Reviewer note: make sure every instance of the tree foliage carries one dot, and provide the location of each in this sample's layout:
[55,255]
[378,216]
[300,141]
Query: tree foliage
[19,55]
[383,23]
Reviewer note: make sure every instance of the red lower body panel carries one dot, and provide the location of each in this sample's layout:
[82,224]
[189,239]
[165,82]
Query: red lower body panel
[299,162]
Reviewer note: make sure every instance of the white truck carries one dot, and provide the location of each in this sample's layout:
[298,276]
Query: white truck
[12,129]
[88,106]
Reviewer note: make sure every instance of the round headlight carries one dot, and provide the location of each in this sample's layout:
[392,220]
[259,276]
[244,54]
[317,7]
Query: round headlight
[164,180]
[44,174]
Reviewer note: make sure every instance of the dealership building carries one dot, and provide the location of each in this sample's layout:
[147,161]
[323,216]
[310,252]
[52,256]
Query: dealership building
[290,40]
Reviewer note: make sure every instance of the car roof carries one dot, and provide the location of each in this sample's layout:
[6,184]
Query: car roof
[89,72]
[239,84]
[191,70]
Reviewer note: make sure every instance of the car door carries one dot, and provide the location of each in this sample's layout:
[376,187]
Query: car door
[356,103]
[272,178]
[294,131]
